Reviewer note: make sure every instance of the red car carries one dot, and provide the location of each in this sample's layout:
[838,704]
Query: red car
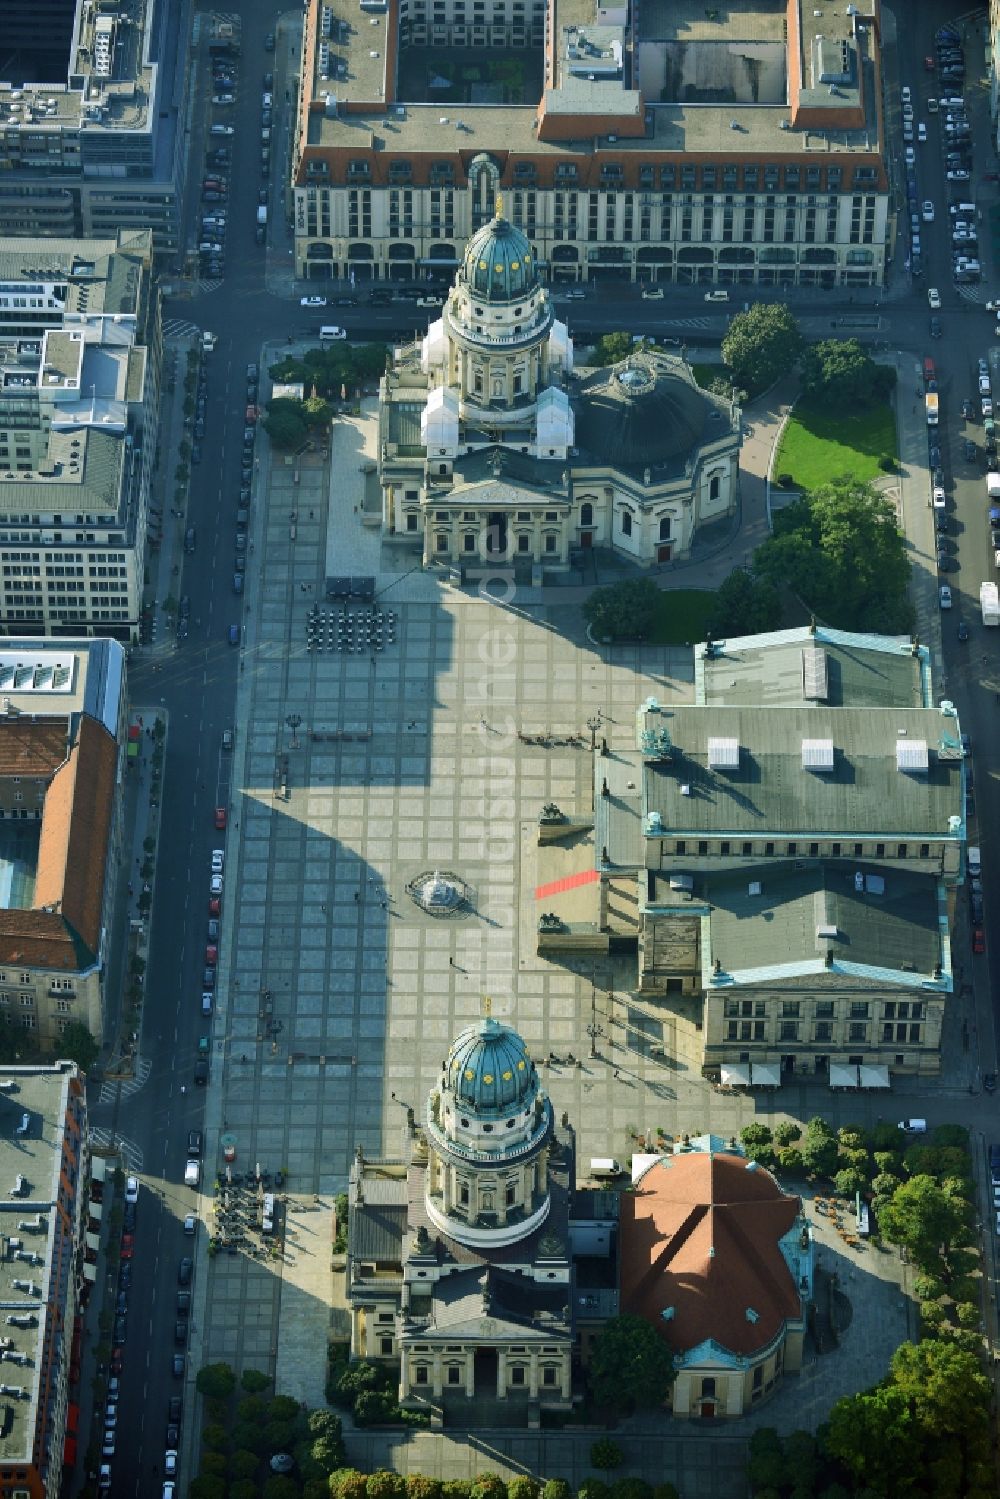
[211,955]
[220,818]
[978,940]
[128,1246]
[929,64]
[215,906]
[117,1360]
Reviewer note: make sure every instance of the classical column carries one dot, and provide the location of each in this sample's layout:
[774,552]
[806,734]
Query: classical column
[436,1376]
[404,1372]
[501,1389]
[533,1375]
[470,1373]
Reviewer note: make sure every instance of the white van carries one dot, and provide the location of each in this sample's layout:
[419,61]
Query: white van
[604,1167]
[192,1173]
[717,296]
[329,335]
[974,861]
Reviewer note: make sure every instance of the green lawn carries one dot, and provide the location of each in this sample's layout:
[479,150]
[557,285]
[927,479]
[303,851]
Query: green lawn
[821,443]
[682,616]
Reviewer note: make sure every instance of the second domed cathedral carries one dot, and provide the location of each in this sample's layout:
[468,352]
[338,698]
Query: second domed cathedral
[492,448]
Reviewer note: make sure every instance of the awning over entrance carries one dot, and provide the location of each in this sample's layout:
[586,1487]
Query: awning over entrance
[843,1077]
[765,1075]
[874,1077]
[735,1074]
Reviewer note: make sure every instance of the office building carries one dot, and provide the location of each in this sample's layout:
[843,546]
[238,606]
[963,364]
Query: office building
[79,400]
[664,143]
[44,1168]
[93,108]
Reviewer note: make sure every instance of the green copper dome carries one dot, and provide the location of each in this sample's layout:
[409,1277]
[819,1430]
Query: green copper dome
[489,1070]
[499,264]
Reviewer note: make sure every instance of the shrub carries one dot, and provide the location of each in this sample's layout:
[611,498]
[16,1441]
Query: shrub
[243,1488]
[968,1314]
[932,1313]
[605,1455]
[254,1380]
[790,1159]
[348,1483]
[594,1488]
[556,1488]
[455,1488]
[631,1488]
[887,464]
[928,1288]
[964,1288]
[522,1487]
[385,1484]
[214,1463]
[283,1408]
[251,1408]
[785,1133]
[214,1438]
[420,1487]
[488,1486]
[374,1406]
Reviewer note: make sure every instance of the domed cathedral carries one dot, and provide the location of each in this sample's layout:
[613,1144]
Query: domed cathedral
[458,1265]
[492,451]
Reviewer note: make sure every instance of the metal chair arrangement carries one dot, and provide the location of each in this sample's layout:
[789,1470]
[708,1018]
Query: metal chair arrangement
[363,631]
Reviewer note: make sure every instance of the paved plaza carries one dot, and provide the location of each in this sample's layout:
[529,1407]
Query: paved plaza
[338,998]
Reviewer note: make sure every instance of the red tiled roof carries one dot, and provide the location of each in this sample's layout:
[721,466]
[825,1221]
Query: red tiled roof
[700,1234]
[63,930]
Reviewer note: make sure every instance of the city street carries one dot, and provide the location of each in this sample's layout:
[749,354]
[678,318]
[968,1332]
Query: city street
[365,999]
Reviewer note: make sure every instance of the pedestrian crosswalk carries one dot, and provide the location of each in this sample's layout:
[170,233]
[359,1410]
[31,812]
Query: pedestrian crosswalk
[176,327]
[128,1085]
[103,1140]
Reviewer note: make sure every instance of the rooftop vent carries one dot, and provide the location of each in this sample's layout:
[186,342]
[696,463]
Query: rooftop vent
[724,754]
[827,931]
[817,754]
[755,888]
[685,789]
[654,823]
[681,882]
[815,674]
[911,756]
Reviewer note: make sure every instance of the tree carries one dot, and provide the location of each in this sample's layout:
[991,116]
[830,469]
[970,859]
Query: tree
[317,412]
[207,1486]
[762,344]
[252,1409]
[943,1386]
[78,1045]
[250,1438]
[819,1148]
[243,1464]
[348,1483]
[631,1488]
[840,550]
[766,1468]
[327,1453]
[243,1488]
[630,1365]
[746,605]
[214,1437]
[875,1436]
[521,1486]
[282,1408]
[216,1381]
[280,1486]
[755,1134]
[849,1181]
[922,1218]
[214,1462]
[285,425]
[611,348]
[605,1455]
[255,1380]
[374,1406]
[623,610]
[841,372]
[556,1488]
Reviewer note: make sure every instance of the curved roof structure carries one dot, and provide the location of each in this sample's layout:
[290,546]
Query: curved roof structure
[499,264]
[489,1069]
[642,413]
[702,1252]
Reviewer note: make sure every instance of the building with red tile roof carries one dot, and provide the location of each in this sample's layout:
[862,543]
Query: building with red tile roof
[720,1261]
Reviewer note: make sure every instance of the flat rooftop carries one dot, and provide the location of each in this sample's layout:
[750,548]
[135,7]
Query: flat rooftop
[832,667]
[32,1112]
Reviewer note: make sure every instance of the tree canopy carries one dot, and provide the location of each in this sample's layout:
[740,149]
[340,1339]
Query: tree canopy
[623,611]
[630,1365]
[746,605]
[285,424]
[840,550]
[611,348]
[78,1044]
[841,372]
[925,1219]
[327,369]
[762,344]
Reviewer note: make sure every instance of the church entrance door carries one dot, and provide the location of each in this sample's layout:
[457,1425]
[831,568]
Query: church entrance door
[496,535]
[586,540]
[663,553]
[485,1373]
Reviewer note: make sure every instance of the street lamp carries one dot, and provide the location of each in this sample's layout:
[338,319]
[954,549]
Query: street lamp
[293,720]
[593,724]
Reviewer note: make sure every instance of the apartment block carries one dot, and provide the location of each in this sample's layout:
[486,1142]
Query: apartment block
[80,361]
[665,143]
[44,1170]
